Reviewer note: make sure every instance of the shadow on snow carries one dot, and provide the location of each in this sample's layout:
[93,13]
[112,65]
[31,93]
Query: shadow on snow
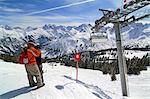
[16,92]
[60,87]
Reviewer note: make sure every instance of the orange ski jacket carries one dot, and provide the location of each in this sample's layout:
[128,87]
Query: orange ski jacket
[31,55]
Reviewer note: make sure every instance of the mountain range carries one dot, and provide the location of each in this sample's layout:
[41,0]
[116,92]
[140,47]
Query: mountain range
[58,40]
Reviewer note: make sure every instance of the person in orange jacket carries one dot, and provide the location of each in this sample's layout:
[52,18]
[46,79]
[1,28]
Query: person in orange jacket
[28,58]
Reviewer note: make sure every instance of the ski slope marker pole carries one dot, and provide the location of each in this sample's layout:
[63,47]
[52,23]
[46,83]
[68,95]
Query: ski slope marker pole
[77,58]
[77,65]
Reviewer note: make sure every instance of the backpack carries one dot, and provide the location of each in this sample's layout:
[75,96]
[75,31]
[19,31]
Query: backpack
[39,60]
[25,59]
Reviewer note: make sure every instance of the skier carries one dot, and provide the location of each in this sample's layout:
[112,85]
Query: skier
[39,61]
[28,57]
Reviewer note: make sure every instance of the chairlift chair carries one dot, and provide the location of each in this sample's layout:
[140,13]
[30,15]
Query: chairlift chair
[98,37]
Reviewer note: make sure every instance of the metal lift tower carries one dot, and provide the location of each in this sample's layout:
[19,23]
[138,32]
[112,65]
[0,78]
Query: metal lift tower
[121,18]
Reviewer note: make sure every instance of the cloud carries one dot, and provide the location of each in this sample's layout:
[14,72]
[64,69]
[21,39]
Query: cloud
[6,9]
[61,17]
[25,21]
[116,3]
[22,21]
[60,7]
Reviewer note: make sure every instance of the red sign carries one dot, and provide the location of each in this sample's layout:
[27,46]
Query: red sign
[77,57]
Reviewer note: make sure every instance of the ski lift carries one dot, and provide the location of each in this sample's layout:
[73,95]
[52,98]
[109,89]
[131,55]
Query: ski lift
[97,37]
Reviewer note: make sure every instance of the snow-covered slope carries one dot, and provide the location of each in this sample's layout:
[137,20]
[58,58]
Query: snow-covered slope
[58,40]
[60,84]
[137,35]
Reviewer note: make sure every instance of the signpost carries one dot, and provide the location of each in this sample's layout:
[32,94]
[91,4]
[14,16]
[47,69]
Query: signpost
[77,58]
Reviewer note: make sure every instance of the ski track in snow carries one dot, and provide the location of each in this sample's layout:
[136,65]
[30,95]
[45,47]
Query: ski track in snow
[94,89]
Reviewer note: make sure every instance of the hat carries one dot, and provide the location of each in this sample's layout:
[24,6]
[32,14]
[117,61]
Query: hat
[31,42]
[37,45]
[25,46]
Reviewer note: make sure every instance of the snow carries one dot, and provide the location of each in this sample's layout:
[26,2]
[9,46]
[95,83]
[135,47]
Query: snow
[132,54]
[146,30]
[141,84]
[60,84]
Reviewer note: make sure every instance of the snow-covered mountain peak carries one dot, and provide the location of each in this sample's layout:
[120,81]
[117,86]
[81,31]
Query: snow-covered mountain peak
[57,40]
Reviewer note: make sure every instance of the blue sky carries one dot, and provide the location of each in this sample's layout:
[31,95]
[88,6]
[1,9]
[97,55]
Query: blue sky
[60,12]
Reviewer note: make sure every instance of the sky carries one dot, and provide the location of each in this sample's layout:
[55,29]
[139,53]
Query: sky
[25,13]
